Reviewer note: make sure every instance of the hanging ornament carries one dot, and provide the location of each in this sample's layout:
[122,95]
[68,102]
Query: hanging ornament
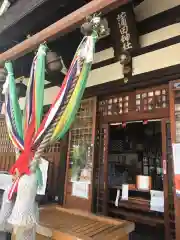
[53,62]
[145,122]
[21,89]
[124,124]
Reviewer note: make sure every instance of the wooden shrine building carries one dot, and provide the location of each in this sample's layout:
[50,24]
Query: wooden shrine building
[129,118]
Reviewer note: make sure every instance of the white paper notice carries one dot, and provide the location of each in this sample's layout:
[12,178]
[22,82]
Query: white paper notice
[80,189]
[117,198]
[5,180]
[44,169]
[176,159]
[125,192]
[157,201]
[143,183]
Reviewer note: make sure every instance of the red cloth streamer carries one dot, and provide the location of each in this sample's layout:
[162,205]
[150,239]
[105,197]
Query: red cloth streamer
[13,188]
[22,163]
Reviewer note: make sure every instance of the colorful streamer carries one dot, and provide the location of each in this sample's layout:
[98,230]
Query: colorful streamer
[32,134]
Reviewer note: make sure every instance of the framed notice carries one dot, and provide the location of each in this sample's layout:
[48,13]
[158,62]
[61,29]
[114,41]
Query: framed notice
[80,189]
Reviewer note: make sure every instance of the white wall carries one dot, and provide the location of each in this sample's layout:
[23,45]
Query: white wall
[158,59]
[150,8]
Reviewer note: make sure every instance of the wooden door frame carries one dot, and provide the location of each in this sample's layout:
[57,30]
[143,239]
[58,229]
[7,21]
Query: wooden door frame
[90,197]
[165,178]
[163,122]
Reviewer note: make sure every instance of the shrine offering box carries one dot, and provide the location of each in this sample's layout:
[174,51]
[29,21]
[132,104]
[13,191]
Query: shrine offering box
[65,224]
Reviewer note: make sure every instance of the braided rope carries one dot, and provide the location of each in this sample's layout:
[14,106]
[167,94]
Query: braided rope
[50,131]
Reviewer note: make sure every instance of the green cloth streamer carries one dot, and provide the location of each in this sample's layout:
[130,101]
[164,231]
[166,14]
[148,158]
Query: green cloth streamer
[86,69]
[39,81]
[14,100]
[85,72]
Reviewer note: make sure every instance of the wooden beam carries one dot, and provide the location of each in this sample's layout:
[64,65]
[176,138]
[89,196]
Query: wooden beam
[64,25]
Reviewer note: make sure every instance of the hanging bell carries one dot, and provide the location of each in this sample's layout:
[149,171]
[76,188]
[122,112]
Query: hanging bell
[21,89]
[87,28]
[53,62]
[25,211]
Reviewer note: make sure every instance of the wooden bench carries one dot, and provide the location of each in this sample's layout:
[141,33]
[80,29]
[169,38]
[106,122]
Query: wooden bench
[65,224]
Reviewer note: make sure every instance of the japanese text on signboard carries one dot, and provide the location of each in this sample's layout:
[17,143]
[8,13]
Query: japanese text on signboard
[124,31]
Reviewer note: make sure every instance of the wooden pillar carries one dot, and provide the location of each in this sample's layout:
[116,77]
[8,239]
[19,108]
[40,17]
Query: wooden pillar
[172,100]
[165,180]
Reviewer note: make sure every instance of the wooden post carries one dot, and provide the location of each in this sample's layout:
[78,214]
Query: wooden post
[64,25]
[165,179]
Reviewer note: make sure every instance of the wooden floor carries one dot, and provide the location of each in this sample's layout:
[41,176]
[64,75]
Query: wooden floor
[40,237]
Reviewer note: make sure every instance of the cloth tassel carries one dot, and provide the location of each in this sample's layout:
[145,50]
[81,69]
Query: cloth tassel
[24,213]
[5,212]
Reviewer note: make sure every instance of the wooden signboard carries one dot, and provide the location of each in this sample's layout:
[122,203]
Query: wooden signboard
[124,34]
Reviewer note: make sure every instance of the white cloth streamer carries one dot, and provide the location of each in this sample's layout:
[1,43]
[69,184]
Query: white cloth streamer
[24,213]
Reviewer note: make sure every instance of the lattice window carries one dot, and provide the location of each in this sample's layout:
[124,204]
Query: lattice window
[54,147]
[152,99]
[5,142]
[146,100]
[115,105]
[81,137]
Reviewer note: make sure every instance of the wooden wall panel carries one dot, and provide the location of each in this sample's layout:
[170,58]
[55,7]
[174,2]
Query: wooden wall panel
[143,104]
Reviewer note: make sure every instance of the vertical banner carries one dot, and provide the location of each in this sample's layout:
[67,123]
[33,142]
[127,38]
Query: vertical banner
[124,33]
